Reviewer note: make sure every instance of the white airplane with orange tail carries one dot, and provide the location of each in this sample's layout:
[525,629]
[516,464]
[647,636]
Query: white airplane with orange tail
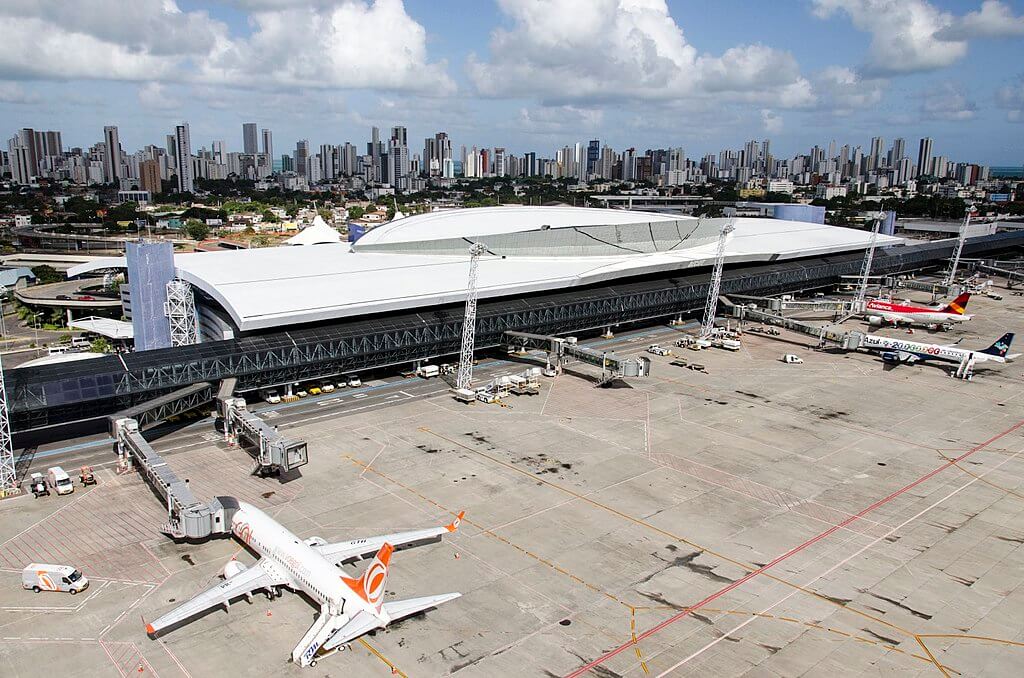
[349,607]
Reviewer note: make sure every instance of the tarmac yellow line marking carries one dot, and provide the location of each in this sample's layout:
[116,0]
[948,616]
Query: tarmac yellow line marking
[632,633]
[394,669]
[675,537]
[749,568]
[633,608]
[540,559]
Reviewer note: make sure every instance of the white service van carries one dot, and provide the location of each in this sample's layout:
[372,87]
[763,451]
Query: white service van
[60,480]
[43,577]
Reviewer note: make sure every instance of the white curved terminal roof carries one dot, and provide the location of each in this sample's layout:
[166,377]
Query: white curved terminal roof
[265,288]
[485,221]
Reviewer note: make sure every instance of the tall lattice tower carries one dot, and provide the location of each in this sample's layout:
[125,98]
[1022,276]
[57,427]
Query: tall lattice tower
[8,474]
[465,377]
[711,305]
[181,313]
[959,245]
[865,269]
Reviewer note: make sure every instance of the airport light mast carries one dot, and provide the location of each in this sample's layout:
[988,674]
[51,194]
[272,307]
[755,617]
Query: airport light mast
[865,269]
[465,376]
[8,473]
[711,306]
[959,245]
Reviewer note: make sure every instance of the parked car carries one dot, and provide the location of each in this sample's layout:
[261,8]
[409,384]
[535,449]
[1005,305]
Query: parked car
[354,381]
[658,350]
[314,390]
[272,397]
[327,387]
[792,359]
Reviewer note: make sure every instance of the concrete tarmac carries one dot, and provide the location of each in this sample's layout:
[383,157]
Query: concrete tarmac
[833,518]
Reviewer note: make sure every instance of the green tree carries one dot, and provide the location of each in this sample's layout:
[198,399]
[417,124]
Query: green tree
[47,274]
[100,345]
[356,212]
[196,230]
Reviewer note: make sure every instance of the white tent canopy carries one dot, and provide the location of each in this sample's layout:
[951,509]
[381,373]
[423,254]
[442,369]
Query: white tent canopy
[106,327]
[316,233]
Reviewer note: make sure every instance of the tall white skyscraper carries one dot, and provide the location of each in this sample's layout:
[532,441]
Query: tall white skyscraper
[183,153]
[111,155]
[249,139]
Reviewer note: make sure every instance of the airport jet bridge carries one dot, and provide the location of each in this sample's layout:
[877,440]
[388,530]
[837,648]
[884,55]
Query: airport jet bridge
[187,517]
[272,451]
[564,350]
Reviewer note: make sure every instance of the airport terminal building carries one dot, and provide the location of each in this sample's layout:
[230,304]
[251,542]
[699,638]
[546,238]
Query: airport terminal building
[279,315]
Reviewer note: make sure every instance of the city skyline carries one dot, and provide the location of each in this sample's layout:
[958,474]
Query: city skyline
[524,76]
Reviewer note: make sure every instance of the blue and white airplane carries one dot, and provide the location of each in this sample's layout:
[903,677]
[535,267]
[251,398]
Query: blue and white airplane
[899,351]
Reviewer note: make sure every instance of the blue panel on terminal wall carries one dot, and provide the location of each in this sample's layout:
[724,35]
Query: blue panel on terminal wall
[355,232]
[150,268]
[889,223]
[813,214]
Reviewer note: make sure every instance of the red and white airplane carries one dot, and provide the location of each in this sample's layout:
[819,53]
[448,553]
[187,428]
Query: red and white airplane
[348,607]
[881,311]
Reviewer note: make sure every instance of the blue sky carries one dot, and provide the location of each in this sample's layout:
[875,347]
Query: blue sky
[524,74]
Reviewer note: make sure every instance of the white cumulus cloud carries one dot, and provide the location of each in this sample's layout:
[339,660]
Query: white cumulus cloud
[772,121]
[905,34]
[1011,97]
[353,44]
[597,51]
[993,20]
[341,44]
[947,101]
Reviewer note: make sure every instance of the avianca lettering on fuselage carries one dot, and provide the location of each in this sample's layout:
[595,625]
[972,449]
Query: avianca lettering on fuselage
[898,350]
[880,311]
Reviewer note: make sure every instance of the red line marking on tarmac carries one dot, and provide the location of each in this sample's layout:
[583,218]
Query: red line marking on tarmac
[796,549]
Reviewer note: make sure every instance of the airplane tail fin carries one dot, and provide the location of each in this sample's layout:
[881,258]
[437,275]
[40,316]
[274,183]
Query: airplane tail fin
[454,525]
[958,305]
[1001,346]
[370,587]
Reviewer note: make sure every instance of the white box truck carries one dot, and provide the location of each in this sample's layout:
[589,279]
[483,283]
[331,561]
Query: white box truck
[428,371]
[44,577]
[60,480]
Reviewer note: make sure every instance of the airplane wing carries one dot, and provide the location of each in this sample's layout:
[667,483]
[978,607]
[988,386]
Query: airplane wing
[259,576]
[363,622]
[357,549]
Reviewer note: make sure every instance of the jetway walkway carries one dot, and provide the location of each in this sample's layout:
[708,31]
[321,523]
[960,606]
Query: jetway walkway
[1014,277]
[273,453]
[823,334]
[563,350]
[187,517]
[161,408]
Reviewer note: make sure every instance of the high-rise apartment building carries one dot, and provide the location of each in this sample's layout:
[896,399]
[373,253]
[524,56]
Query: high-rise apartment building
[249,139]
[268,147]
[111,155]
[183,153]
[149,176]
[301,156]
[924,156]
